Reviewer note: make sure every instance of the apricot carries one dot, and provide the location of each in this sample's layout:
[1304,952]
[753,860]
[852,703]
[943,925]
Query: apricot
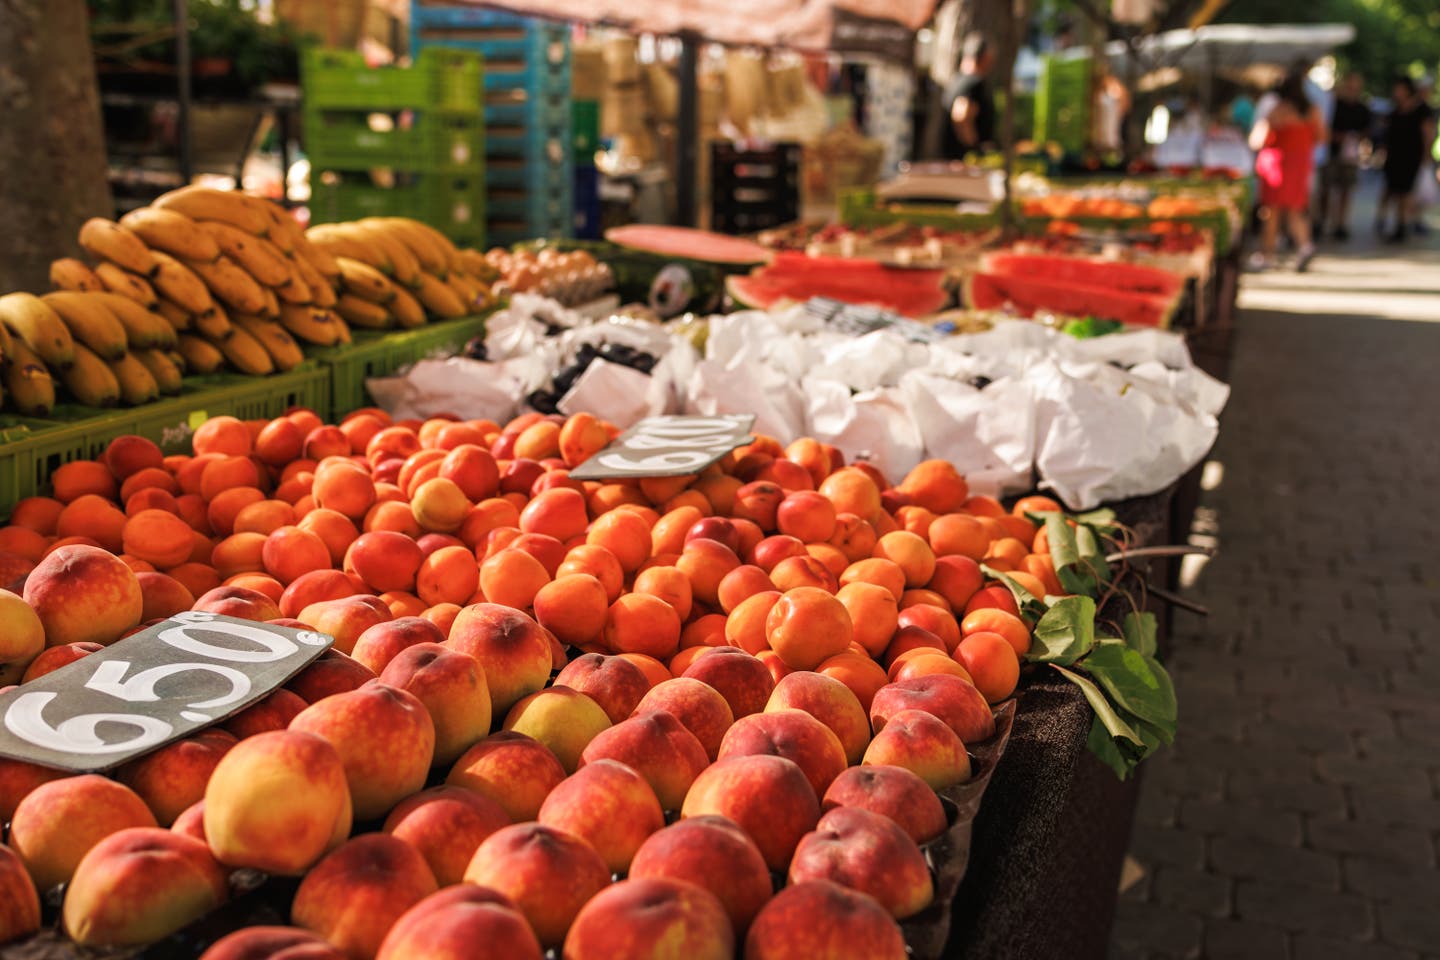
[910,553]
[991,662]
[264,516]
[158,537]
[808,626]
[852,490]
[385,560]
[879,571]
[71,481]
[745,627]
[670,585]
[641,623]
[345,488]
[873,614]
[861,674]
[91,515]
[40,514]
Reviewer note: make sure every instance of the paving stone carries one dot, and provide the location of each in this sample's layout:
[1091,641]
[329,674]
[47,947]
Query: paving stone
[1416,926]
[1193,891]
[1242,940]
[1256,860]
[1403,844]
[1309,947]
[1245,820]
[1161,929]
[1304,909]
[1153,845]
[1390,805]
[1387,880]
[1303,796]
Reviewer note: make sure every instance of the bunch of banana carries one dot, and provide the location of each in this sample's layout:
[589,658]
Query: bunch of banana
[397,272]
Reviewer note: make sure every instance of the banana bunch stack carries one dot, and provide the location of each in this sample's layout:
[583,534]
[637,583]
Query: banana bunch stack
[232,276]
[397,272]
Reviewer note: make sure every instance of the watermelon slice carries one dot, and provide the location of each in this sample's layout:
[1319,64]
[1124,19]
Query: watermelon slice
[689,244]
[1026,295]
[1106,274]
[795,277]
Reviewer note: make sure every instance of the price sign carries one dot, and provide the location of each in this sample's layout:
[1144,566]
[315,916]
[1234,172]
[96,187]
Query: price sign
[156,686]
[668,447]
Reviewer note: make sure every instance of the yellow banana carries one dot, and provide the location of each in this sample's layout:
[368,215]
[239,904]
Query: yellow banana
[407,309]
[180,285]
[90,379]
[363,280]
[438,298]
[28,381]
[174,233]
[178,358]
[176,317]
[231,285]
[214,324]
[166,374]
[127,284]
[256,256]
[467,290]
[283,229]
[143,328]
[91,322]
[246,353]
[294,289]
[338,242]
[201,356]
[431,255]
[108,240]
[36,323]
[67,273]
[322,291]
[137,383]
[284,351]
[271,309]
[359,312]
[405,266]
[473,262]
[322,262]
[203,204]
[312,324]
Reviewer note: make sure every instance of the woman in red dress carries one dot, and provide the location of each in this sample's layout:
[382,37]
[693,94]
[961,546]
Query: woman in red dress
[1285,140]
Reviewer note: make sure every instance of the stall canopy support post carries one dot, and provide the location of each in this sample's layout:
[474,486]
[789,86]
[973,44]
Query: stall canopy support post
[687,145]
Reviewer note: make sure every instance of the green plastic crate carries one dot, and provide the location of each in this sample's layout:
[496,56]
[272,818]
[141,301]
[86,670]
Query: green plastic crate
[355,197]
[457,79]
[585,130]
[340,79]
[384,354]
[30,450]
[451,202]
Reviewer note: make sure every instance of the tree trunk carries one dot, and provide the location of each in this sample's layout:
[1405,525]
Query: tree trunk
[52,141]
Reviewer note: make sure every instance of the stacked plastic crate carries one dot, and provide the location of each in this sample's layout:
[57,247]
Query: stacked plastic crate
[585,137]
[529,160]
[397,141]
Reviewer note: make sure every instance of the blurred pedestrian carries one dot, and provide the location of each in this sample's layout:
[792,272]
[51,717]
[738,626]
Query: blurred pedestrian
[1408,136]
[969,102]
[1284,139]
[1349,127]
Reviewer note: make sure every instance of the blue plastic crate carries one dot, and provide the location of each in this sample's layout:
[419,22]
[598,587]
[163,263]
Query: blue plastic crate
[587,202]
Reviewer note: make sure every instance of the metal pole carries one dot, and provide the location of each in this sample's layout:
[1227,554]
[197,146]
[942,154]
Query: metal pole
[687,146]
[182,67]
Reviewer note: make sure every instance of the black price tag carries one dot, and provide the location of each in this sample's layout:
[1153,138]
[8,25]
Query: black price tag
[159,685]
[670,446]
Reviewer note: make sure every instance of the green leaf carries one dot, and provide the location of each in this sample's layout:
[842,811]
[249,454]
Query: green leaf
[1063,551]
[1031,606]
[1101,519]
[1139,629]
[1106,713]
[1105,747]
[1077,580]
[1135,682]
[1065,633]
[1091,556]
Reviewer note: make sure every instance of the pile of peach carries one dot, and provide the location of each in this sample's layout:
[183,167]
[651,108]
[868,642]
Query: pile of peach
[786,652]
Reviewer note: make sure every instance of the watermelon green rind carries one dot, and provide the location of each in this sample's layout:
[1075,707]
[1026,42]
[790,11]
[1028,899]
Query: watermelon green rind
[1131,277]
[989,291]
[689,243]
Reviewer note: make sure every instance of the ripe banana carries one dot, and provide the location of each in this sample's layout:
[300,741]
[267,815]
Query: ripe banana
[284,351]
[108,240]
[431,255]
[359,312]
[438,298]
[178,358]
[176,318]
[137,383]
[467,290]
[272,303]
[90,379]
[294,289]
[405,266]
[473,262]
[180,285]
[36,323]
[283,229]
[334,239]
[217,206]
[28,381]
[407,309]
[166,374]
[246,353]
[91,322]
[201,356]
[321,261]
[312,324]
[127,284]
[174,233]
[322,292]
[452,253]
[256,256]
[143,328]
[67,273]
[214,324]
[231,285]
[364,280]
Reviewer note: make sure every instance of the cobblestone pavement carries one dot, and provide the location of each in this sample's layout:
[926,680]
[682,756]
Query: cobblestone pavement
[1298,815]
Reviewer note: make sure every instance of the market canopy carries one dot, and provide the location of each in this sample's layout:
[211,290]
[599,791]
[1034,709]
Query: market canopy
[800,24]
[1229,47]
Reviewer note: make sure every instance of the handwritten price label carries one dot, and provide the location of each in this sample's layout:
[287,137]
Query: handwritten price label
[668,447]
[149,689]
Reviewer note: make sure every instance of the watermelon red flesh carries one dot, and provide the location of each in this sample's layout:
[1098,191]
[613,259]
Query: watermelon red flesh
[688,244]
[796,277]
[988,291]
[1105,274]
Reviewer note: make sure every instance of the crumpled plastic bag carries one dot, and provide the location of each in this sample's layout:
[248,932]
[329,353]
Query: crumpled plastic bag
[988,434]
[778,404]
[470,389]
[611,391]
[872,425]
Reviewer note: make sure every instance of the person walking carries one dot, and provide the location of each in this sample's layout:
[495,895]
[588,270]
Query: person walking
[969,103]
[1284,139]
[1408,136]
[1349,127]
